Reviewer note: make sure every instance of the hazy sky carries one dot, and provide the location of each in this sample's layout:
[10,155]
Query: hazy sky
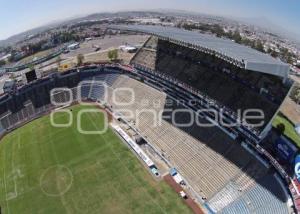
[19,15]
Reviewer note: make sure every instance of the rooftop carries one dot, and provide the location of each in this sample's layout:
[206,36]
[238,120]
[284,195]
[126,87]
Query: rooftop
[226,49]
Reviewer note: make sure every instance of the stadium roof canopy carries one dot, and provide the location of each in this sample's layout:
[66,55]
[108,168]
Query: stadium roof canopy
[225,49]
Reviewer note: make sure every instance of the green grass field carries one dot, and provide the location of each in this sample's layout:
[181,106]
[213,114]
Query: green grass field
[289,129]
[58,170]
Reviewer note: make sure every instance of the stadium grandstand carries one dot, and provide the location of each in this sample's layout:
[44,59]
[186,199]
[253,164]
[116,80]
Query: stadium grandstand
[229,76]
[225,167]
[217,73]
[227,176]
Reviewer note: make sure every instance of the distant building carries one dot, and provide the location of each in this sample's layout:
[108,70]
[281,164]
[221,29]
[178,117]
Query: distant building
[5,58]
[9,86]
[19,55]
[128,49]
[73,46]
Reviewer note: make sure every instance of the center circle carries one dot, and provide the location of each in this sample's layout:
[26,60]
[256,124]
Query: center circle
[56,180]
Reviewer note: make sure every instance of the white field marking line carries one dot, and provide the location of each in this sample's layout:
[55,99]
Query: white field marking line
[128,173]
[56,161]
[75,133]
[87,154]
[24,192]
[60,193]
[109,183]
[155,202]
[143,133]
[13,168]
[82,171]
[13,165]
[37,187]
[31,189]
[45,140]
[5,187]
[77,160]
[53,145]
[16,188]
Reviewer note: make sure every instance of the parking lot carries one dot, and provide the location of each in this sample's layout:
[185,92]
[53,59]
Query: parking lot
[106,43]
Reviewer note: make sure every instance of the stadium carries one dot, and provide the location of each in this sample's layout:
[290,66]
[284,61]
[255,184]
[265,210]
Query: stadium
[224,169]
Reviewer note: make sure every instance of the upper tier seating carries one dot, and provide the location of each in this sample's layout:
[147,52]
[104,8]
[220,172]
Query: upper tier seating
[230,86]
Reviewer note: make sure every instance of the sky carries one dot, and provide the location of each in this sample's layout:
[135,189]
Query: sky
[19,15]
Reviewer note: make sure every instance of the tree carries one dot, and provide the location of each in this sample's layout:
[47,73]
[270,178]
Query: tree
[237,37]
[269,50]
[247,41]
[259,46]
[218,30]
[289,59]
[274,54]
[80,59]
[286,55]
[31,67]
[112,55]
[295,93]
[2,62]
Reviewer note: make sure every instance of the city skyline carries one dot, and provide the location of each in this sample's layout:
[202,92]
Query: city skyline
[18,16]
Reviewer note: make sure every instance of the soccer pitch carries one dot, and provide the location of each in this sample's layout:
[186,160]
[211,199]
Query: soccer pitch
[45,169]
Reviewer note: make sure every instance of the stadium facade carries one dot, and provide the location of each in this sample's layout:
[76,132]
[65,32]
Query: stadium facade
[242,74]
[225,49]
[23,66]
[225,167]
[224,175]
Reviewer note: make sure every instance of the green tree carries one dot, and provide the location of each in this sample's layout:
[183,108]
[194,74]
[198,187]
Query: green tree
[247,42]
[274,54]
[218,30]
[31,67]
[237,37]
[259,46]
[2,62]
[295,93]
[286,55]
[269,50]
[289,59]
[113,55]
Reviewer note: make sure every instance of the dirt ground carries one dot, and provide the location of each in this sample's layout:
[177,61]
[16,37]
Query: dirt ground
[88,48]
[106,43]
[291,110]
[102,56]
